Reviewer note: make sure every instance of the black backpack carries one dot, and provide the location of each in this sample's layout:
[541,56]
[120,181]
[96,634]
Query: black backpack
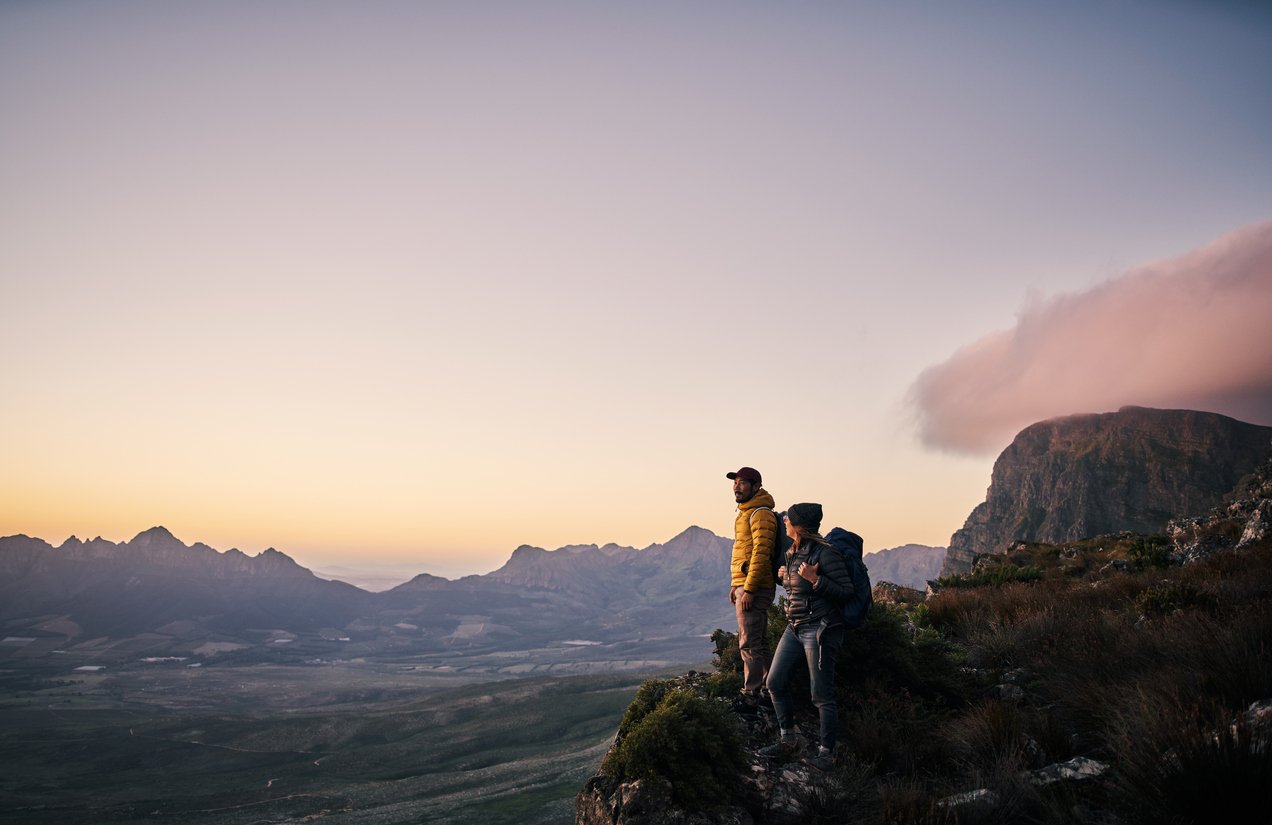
[781,543]
[857,608]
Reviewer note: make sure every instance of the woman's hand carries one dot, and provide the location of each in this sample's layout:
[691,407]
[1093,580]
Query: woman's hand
[810,572]
[781,572]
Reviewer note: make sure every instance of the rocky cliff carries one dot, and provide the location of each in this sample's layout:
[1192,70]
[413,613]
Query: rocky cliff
[1085,475]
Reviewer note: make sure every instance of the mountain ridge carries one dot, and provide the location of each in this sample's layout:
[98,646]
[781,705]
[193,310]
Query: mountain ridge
[536,597]
[1082,475]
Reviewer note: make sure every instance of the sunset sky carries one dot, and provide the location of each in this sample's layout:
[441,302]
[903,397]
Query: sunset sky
[414,283]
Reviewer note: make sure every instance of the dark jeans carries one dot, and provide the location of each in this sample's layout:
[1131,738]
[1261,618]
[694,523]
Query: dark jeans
[801,646]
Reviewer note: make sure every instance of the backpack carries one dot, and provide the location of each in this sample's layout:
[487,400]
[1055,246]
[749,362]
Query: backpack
[857,608]
[781,542]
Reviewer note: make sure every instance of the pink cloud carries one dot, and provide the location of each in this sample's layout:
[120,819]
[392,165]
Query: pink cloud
[1194,332]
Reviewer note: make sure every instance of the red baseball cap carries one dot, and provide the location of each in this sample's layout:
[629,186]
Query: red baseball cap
[746,474]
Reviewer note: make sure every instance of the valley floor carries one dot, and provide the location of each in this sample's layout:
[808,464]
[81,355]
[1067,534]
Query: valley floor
[338,743]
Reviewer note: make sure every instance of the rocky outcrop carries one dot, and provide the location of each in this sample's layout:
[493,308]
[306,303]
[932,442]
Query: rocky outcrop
[1080,769]
[1070,478]
[889,593]
[1245,520]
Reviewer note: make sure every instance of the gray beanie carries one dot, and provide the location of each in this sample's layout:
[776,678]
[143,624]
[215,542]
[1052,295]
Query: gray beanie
[805,515]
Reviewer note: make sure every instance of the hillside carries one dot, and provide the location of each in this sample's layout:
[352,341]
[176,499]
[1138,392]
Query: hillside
[1115,680]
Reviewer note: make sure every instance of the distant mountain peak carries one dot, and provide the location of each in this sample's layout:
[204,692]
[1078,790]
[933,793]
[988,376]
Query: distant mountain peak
[423,581]
[154,536]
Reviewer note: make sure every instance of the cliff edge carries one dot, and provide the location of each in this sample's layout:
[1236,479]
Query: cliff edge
[1068,478]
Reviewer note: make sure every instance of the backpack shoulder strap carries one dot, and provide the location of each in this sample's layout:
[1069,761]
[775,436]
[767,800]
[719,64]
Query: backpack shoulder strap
[750,519]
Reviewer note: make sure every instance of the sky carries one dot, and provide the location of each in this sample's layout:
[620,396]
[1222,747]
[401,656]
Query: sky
[410,284]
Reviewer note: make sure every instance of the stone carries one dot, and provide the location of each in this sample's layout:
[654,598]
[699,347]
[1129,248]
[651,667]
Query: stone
[981,797]
[1077,769]
[1259,525]
[1007,693]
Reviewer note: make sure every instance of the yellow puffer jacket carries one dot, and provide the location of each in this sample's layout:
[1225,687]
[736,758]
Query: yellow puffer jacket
[753,541]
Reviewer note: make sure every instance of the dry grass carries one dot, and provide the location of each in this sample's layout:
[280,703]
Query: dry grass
[1110,661]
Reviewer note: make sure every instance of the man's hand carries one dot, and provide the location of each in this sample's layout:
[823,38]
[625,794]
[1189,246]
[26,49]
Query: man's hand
[733,595]
[781,573]
[810,572]
[744,599]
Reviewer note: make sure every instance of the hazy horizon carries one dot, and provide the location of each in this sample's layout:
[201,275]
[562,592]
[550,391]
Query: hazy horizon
[403,284]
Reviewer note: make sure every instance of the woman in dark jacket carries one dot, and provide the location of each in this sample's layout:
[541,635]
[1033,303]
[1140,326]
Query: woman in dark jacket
[815,594]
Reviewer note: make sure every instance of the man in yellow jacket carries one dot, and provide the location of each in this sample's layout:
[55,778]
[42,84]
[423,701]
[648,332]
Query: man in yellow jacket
[752,587]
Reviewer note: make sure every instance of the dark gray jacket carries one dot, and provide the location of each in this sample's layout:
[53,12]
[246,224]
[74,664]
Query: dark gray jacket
[808,604]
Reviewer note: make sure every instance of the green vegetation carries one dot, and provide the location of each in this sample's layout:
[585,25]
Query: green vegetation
[1172,596]
[1150,551]
[995,576]
[673,731]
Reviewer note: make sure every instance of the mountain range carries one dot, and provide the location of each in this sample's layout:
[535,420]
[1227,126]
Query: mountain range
[184,600]
[192,595]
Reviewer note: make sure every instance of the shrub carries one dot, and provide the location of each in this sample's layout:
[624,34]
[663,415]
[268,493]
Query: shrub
[648,696]
[1171,596]
[723,685]
[691,741]
[1150,551]
[995,576]
[727,658]
[888,651]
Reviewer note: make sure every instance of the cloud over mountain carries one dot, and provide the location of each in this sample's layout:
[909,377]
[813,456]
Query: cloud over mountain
[1189,332]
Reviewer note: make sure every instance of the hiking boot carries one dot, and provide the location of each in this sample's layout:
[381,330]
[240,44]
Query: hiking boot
[787,746]
[745,706]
